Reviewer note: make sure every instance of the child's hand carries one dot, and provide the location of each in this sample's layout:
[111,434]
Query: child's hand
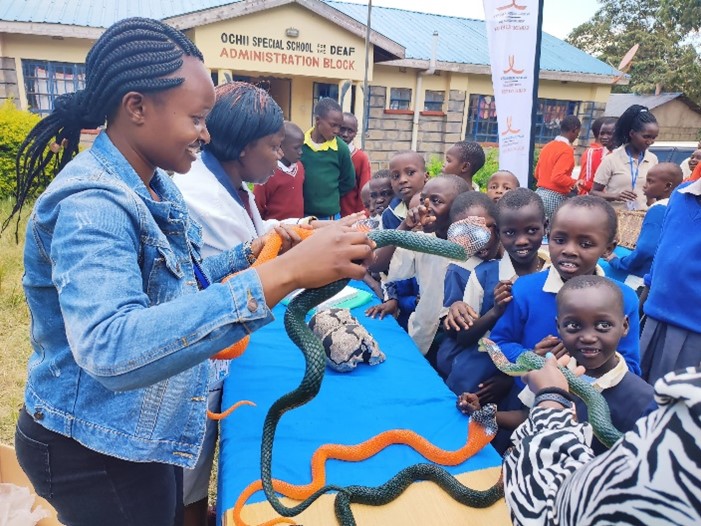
[419,216]
[388,308]
[289,237]
[468,403]
[502,296]
[551,344]
[494,389]
[460,316]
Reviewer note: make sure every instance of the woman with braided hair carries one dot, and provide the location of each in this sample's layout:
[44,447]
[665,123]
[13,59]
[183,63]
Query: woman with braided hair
[125,311]
[621,174]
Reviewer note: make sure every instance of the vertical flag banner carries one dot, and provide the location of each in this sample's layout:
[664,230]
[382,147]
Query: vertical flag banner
[512,34]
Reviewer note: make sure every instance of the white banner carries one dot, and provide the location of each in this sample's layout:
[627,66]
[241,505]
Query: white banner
[512,31]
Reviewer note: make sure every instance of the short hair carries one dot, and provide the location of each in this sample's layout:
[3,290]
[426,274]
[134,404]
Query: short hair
[570,123]
[291,127]
[133,54]
[349,114]
[591,202]
[458,183]
[518,198]
[411,152]
[587,281]
[325,105]
[600,123]
[675,171]
[381,174]
[467,200]
[633,119]
[471,152]
[508,172]
[242,114]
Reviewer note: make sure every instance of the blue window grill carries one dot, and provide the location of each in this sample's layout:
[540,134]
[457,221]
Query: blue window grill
[45,80]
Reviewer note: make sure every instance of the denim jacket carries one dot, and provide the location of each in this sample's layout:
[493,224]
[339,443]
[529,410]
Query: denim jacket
[119,330]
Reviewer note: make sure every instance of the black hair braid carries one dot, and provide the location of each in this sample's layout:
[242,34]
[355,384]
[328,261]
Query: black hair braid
[134,54]
[633,119]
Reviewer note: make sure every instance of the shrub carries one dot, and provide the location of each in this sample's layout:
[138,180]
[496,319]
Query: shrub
[491,165]
[434,165]
[15,124]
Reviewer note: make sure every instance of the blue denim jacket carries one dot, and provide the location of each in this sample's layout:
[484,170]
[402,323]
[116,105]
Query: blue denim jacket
[119,330]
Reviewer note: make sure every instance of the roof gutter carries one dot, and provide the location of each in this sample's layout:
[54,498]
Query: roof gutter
[419,86]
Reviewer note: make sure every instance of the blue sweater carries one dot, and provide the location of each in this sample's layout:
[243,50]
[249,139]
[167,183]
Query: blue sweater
[530,317]
[675,286]
[390,220]
[639,261]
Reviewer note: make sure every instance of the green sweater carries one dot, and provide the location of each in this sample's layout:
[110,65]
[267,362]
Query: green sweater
[328,175]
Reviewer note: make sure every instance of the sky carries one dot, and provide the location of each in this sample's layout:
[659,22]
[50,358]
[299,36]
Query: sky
[559,16]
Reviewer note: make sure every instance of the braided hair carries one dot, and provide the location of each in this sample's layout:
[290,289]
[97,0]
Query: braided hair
[242,114]
[134,54]
[633,119]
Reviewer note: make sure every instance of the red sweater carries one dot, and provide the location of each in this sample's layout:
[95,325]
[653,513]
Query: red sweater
[590,161]
[351,202]
[555,165]
[281,196]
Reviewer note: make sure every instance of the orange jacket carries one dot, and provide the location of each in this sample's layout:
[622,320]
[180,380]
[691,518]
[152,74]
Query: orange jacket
[554,168]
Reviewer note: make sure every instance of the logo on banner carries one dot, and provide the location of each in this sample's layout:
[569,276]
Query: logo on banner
[512,66]
[509,128]
[512,5]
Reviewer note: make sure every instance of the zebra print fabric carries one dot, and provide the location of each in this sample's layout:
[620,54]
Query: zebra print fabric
[652,476]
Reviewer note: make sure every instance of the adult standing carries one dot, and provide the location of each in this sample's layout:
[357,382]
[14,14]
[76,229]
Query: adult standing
[621,175]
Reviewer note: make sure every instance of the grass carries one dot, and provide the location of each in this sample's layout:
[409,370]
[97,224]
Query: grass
[14,326]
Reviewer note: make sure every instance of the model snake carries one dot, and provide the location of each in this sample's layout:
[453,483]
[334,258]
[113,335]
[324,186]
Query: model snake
[473,237]
[597,407]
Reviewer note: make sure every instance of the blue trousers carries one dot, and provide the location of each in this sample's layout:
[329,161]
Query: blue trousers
[88,488]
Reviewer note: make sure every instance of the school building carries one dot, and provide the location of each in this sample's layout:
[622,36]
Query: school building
[429,77]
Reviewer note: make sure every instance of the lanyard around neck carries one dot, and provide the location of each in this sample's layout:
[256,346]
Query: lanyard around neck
[634,174]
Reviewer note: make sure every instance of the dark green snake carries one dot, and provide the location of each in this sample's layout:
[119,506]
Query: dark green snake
[315,362]
[597,408]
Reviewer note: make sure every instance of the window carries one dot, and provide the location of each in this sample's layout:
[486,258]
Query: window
[45,80]
[322,91]
[482,119]
[549,116]
[434,100]
[399,98]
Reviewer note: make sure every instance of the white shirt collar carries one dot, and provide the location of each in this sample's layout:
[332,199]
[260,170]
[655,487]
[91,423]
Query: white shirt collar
[553,283]
[289,170]
[693,189]
[560,138]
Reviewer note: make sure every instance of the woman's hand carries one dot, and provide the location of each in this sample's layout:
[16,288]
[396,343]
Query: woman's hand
[550,375]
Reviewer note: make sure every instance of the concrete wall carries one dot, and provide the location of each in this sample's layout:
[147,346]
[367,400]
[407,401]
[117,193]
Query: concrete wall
[9,88]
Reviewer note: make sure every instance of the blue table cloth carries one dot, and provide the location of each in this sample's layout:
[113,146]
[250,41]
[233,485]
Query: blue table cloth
[404,392]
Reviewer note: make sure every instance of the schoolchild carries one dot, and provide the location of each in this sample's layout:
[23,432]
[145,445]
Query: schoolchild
[125,310]
[501,182]
[281,196]
[583,229]
[381,194]
[464,159]
[407,175]
[352,202]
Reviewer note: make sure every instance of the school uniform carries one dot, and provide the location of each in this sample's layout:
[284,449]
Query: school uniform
[629,398]
[429,271]
[352,202]
[530,316]
[619,171]
[590,162]
[281,197]
[671,339]
[553,173]
[394,214]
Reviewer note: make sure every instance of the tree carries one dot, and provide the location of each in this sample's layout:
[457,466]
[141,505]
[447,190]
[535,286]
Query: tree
[666,60]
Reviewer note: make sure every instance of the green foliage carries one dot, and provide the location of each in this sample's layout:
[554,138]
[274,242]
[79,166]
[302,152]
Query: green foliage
[491,165]
[666,60]
[434,165]
[14,126]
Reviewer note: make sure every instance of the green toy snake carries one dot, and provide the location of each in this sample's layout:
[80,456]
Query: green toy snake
[314,355]
[598,409]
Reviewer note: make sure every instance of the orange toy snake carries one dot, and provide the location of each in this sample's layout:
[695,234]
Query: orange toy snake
[480,431]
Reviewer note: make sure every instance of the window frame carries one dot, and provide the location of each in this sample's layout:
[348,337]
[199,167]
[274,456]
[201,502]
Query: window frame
[397,102]
[58,78]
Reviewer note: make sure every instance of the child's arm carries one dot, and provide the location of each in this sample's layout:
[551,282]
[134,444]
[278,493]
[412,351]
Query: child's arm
[502,297]
[346,181]
[468,403]
[629,346]
[645,247]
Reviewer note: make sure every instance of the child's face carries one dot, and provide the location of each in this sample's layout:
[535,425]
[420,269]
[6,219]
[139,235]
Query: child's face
[453,164]
[407,174]
[657,183]
[499,184]
[292,147]
[349,129]
[606,134]
[329,125]
[579,236]
[521,232]
[170,135]
[380,195]
[492,249]
[438,196]
[694,159]
[365,197]
[591,323]
[259,158]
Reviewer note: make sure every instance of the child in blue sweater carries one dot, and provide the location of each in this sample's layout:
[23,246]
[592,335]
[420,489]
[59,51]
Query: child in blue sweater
[520,226]
[661,181]
[671,339]
[583,230]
